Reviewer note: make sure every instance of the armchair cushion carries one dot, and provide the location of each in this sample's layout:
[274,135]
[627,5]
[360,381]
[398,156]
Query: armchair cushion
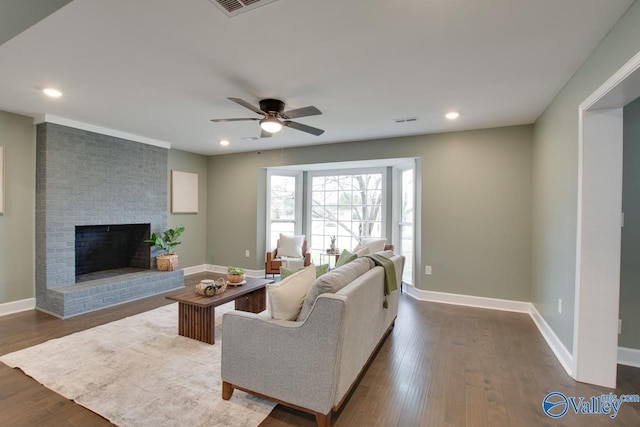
[290,246]
[273,262]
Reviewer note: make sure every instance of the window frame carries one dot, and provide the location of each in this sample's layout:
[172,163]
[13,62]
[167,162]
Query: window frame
[397,216]
[298,220]
[348,171]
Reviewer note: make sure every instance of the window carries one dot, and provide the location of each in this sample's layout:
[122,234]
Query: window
[348,205]
[406,221]
[285,200]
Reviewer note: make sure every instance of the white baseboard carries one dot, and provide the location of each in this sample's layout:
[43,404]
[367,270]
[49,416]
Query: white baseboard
[559,350]
[468,300]
[629,357]
[223,269]
[195,269]
[17,306]
[562,354]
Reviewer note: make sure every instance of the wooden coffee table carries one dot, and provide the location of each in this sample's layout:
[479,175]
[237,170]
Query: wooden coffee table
[196,313]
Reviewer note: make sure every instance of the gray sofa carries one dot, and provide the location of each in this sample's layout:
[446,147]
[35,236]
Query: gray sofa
[310,365]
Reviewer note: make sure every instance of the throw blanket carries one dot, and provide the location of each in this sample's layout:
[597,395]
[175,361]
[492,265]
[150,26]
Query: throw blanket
[390,283]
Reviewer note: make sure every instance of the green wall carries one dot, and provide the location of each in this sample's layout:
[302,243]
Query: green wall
[630,264]
[193,248]
[17,226]
[555,177]
[476,205]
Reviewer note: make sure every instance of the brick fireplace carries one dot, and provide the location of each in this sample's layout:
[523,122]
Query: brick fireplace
[88,180]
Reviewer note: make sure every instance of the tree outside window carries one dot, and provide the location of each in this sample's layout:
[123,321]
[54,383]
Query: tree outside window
[348,206]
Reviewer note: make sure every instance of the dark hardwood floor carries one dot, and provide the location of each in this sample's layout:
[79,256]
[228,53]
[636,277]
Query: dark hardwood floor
[442,365]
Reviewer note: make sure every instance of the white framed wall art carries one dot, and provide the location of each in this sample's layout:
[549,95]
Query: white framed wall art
[184,192]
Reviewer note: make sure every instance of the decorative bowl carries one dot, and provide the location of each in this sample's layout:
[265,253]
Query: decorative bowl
[209,288]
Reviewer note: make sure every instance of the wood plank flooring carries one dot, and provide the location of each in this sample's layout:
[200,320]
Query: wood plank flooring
[441,366]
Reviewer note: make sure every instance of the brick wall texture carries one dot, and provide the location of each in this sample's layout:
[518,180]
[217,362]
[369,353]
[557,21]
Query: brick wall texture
[86,178]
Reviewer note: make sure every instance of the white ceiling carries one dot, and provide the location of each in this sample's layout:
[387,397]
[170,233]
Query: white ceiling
[160,69]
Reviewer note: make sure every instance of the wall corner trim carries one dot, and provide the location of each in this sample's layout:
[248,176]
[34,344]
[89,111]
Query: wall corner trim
[559,350]
[17,306]
[629,357]
[562,354]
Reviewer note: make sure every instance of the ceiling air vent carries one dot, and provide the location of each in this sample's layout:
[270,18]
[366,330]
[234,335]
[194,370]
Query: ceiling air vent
[235,7]
[406,119]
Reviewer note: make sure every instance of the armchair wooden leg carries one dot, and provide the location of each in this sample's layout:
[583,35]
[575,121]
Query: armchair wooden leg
[323,420]
[227,390]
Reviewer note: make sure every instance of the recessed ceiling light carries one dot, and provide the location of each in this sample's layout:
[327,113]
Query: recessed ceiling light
[54,93]
[224,142]
[452,115]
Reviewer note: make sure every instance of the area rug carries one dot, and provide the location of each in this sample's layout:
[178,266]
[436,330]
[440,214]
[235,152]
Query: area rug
[139,372]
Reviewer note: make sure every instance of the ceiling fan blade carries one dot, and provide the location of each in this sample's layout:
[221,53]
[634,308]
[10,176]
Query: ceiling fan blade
[303,128]
[301,112]
[233,120]
[245,104]
[265,134]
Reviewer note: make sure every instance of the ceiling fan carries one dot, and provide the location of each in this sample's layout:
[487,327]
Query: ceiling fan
[274,117]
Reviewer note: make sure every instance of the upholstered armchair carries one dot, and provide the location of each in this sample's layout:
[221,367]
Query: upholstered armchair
[273,261]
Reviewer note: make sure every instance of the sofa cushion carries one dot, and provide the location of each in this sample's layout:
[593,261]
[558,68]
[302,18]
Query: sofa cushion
[290,246]
[362,252]
[345,258]
[333,281]
[286,272]
[284,299]
[386,254]
[374,244]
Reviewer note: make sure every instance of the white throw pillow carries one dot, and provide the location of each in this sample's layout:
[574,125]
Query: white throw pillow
[290,246]
[362,252]
[374,245]
[284,299]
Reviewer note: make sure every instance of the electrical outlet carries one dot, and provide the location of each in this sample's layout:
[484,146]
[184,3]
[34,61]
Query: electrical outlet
[247,253]
[427,270]
[559,306]
[619,326]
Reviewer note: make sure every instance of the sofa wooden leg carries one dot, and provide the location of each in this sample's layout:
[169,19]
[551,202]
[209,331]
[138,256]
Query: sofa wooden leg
[227,390]
[323,420]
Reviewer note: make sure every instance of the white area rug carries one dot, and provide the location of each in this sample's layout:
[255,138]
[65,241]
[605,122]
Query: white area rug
[139,372]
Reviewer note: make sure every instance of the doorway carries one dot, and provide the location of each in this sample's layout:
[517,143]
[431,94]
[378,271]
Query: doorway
[599,214]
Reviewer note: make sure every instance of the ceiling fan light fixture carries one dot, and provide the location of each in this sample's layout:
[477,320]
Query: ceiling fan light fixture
[271,125]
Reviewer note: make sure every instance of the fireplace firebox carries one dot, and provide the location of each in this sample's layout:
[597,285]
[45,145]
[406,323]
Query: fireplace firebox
[110,250]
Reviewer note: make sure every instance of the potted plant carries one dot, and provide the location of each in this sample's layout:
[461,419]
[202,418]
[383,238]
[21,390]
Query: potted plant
[166,244]
[235,274]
